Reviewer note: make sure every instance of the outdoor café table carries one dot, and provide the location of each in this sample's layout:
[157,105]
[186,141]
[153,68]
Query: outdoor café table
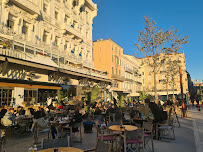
[127,127]
[57,123]
[118,128]
[62,149]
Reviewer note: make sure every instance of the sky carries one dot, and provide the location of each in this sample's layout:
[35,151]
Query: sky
[120,20]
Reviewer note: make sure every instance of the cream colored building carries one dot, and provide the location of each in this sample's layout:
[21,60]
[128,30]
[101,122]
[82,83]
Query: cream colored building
[148,77]
[46,44]
[131,72]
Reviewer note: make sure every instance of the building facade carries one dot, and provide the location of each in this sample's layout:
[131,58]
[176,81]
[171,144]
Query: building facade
[107,57]
[46,44]
[131,72]
[122,69]
[162,86]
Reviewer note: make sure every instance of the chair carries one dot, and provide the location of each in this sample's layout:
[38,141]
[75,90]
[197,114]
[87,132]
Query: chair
[167,129]
[148,134]
[71,133]
[105,137]
[100,147]
[133,140]
[51,143]
[74,133]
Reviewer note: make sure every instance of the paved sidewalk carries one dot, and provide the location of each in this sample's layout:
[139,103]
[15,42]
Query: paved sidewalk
[184,142]
[198,128]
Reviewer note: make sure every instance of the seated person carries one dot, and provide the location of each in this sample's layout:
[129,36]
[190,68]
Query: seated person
[51,107]
[3,111]
[20,111]
[61,105]
[9,118]
[77,118]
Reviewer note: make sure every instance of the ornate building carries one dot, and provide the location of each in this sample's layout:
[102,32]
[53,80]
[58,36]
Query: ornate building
[46,43]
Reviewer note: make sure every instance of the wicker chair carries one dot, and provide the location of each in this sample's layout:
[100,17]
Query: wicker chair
[148,134]
[100,147]
[133,140]
[167,129]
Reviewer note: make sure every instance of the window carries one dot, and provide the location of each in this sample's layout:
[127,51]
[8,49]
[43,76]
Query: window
[45,37]
[119,72]
[142,73]
[115,50]
[66,19]
[112,47]
[6,96]
[112,58]
[112,70]
[87,35]
[116,71]
[56,41]
[65,46]
[74,3]
[30,96]
[164,86]
[45,8]
[56,15]
[10,24]
[25,28]
[149,78]
[148,69]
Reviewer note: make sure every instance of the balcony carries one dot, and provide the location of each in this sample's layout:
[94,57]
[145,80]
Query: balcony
[128,70]
[127,79]
[71,30]
[27,5]
[45,60]
[117,77]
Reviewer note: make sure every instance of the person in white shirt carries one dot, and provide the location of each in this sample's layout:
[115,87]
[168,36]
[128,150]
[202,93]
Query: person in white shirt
[49,101]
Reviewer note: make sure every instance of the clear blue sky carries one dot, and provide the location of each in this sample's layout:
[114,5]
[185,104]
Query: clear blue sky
[120,21]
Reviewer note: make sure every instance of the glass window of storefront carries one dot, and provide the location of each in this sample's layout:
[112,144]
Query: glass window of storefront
[6,96]
[30,96]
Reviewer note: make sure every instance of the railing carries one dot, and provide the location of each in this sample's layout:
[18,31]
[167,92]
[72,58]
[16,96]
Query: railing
[128,69]
[117,77]
[28,56]
[5,30]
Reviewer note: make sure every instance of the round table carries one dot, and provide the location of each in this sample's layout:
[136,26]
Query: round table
[62,149]
[127,127]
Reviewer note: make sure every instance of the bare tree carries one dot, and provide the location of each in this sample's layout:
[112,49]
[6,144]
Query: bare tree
[154,42]
[171,74]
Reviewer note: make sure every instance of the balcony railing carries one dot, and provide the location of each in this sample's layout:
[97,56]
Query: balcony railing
[127,79]
[71,30]
[55,58]
[117,77]
[127,69]
[28,5]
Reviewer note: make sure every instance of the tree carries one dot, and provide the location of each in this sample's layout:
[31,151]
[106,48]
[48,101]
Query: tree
[171,74]
[94,93]
[143,96]
[154,42]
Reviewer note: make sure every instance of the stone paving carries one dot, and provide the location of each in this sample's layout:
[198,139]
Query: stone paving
[187,137]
